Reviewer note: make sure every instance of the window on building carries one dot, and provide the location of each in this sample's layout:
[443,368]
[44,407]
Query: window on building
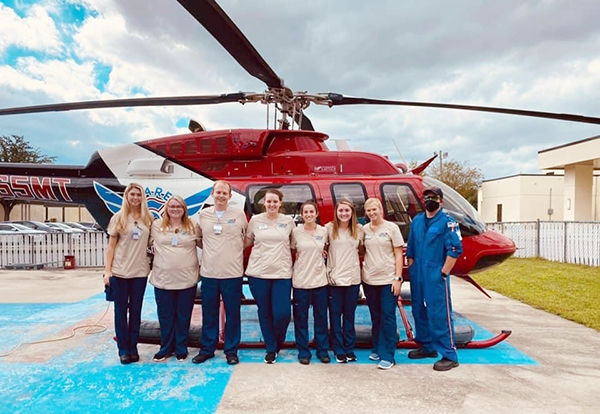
[400,205]
[354,192]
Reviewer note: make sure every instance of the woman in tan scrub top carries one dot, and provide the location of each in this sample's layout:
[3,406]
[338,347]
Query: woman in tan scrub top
[269,271]
[127,266]
[174,277]
[309,280]
[343,270]
[382,281]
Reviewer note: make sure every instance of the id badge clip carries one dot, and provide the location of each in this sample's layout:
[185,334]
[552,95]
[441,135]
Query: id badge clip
[136,233]
[218,229]
[174,240]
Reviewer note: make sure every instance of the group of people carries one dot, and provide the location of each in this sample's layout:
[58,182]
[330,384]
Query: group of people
[312,264]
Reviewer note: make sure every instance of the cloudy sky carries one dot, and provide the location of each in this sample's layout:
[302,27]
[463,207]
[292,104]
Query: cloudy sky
[538,55]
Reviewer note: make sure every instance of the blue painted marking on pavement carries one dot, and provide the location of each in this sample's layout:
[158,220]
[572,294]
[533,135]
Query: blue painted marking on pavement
[85,373]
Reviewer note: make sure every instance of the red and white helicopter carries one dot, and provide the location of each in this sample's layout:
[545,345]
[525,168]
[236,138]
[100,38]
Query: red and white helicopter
[296,161]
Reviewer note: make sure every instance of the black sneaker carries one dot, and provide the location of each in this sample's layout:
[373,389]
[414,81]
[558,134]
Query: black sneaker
[325,359]
[445,364]
[181,357]
[421,353]
[200,358]
[351,357]
[125,359]
[158,357]
[232,359]
[304,360]
[341,358]
[271,358]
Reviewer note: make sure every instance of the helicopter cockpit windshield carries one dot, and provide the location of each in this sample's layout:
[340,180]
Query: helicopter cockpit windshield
[471,223]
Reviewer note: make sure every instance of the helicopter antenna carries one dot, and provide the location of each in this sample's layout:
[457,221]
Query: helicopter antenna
[399,153]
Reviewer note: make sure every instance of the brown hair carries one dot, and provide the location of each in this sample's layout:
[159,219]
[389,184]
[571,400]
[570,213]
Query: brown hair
[276,192]
[221,182]
[309,203]
[353,221]
[185,220]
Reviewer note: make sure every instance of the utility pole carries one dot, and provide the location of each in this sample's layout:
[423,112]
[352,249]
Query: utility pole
[442,155]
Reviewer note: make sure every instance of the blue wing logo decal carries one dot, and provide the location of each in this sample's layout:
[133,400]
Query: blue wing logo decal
[112,200]
[195,202]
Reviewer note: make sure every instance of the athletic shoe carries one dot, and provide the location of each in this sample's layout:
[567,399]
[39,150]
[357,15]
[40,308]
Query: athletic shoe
[385,365]
[158,357]
[325,359]
[341,358]
[421,353]
[304,360]
[374,356]
[271,358]
[201,358]
[232,359]
[181,357]
[445,364]
[351,357]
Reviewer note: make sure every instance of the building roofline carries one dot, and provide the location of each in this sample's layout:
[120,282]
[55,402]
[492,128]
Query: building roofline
[570,144]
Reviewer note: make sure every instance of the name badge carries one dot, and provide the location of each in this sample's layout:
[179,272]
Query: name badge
[382,235]
[218,229]
[367,237]
[318,238]
[231,221]
[282,225]
[262,227]
[174,240]
[136,233]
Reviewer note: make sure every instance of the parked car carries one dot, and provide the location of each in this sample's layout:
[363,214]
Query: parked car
[78,226]
[14,228]
[91,225]
[65,228]
[37,225]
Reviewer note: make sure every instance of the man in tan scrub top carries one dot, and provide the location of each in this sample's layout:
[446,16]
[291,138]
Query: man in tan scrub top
[222,230]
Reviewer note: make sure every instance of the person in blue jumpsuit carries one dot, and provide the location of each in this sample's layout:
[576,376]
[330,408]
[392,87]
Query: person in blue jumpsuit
[434,245]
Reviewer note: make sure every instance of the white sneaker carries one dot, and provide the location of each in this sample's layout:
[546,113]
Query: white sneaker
[385,365]
[374,356]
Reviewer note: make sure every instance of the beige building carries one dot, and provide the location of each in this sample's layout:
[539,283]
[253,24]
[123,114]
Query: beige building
[42,213]
[569,191]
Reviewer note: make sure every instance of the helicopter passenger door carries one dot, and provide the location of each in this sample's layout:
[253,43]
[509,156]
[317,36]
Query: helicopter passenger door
[400,204]
[354,192]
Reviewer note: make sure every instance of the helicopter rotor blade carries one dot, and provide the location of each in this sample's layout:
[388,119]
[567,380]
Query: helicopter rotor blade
[126,103]
[210,15]
[337,99]
[304,123]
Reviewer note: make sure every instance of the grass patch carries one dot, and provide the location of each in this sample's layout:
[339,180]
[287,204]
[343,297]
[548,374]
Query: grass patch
[567,290]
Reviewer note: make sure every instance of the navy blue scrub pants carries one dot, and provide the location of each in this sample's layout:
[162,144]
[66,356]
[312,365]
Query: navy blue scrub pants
[174,308]
[382,306]
[303,298]
[342,308]
[212,290]
[274,309]
[128,295]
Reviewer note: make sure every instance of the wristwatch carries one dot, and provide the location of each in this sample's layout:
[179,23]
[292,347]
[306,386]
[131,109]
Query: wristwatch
[399,278]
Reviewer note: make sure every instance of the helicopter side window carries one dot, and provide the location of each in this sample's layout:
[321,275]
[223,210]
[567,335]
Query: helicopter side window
[401,205]
[175,148]
[354,192]
[294,195]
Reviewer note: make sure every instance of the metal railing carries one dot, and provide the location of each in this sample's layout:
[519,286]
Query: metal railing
[576,242]
[50,250]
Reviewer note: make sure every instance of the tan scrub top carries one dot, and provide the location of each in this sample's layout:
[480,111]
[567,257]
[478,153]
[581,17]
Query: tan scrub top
[271,257]
[343,264]
[131,258]
[175,264]
[379,266]
[222,243]
[309,268]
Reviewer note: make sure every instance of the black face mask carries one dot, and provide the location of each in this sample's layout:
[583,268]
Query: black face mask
[431,205]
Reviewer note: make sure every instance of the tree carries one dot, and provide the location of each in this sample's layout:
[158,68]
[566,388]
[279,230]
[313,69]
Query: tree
[460,176]
[15,148]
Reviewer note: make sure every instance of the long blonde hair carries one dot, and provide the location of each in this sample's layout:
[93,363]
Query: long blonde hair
[187,224]
[353,221]
[123,214]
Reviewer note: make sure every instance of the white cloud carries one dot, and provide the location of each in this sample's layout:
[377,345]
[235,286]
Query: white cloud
[36,31]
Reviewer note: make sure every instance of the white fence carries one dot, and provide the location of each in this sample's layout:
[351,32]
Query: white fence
[575,242]
[49,250]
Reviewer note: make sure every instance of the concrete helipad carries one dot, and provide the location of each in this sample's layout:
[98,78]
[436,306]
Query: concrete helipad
[547,365]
